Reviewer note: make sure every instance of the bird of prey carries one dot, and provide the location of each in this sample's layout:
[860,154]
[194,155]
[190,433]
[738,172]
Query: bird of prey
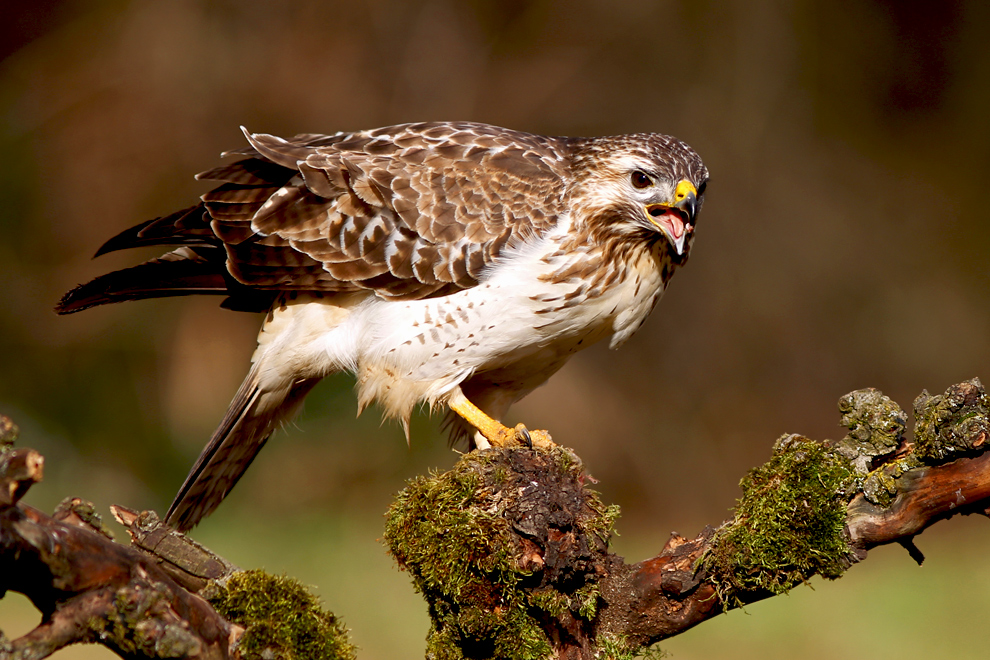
[448,263]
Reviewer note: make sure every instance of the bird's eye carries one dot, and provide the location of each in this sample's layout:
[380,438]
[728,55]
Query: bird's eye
[701,188]
[641,180]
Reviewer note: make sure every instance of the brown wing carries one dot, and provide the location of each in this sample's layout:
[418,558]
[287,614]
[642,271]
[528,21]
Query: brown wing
[408,211]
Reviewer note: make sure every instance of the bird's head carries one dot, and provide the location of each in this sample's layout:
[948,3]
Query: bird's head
[641,187]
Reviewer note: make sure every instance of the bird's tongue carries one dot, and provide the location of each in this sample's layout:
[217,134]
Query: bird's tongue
[675,224]
[671,221]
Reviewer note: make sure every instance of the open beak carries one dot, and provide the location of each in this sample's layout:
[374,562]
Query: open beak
[676,220]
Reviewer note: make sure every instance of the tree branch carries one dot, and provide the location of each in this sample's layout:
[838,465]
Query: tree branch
[145,601]
[90,589]
[510,549]
[814,508]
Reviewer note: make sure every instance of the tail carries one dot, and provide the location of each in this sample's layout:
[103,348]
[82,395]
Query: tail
[203,231]
[182,272]
[252,417]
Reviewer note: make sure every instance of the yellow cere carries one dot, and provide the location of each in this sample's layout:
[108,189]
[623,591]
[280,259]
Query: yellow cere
[684,188]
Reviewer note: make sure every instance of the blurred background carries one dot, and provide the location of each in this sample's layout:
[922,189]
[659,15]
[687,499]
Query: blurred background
[842,245]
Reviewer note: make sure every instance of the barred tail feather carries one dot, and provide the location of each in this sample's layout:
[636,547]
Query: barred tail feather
[252,417]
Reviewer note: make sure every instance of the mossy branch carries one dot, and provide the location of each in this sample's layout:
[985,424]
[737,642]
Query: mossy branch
[510,548]
[164,597]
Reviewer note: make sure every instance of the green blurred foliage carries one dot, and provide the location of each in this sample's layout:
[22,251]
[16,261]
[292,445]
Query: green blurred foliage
[843,243]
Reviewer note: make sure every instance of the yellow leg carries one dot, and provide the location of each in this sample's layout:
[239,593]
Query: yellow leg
[493,430]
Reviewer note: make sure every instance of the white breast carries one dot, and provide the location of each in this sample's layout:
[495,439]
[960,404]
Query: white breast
[511,315]
[513,323]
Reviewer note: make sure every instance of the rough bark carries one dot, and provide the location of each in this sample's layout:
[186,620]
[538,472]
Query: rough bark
[90,589]
[510,548]
[148,600]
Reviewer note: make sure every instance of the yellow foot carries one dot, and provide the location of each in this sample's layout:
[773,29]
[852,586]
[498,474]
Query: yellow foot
[521,435]
[493,431]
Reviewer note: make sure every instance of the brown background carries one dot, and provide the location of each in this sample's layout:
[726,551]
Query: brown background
[842,245]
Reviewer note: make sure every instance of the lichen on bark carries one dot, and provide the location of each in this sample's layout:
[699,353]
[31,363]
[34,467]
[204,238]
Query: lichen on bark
[876,427]
[947,426]
[952,423]
[138,624]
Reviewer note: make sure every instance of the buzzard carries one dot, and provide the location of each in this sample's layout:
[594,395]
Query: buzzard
[446,263]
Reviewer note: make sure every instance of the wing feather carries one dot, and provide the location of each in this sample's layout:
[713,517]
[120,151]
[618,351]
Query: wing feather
[407,211]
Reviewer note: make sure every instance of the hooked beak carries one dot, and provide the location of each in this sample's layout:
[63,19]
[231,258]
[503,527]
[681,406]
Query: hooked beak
[676,220]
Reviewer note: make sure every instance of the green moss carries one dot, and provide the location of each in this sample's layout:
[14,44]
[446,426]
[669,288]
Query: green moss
[788,525]
[615,647]
[585,601]
[550,601]
[282,619]
[653,653]
[452,533]
[603,525]
[456,548]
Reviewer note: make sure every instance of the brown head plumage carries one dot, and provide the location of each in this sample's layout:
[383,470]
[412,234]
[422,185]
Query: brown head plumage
[640,187]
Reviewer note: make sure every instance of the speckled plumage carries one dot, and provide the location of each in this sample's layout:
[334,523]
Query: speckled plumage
[427,259]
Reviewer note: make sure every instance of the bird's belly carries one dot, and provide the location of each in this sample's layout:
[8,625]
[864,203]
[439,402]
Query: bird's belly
[518,331]
[448,339]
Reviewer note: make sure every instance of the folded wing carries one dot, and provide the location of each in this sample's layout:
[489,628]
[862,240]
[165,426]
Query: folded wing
[408,211]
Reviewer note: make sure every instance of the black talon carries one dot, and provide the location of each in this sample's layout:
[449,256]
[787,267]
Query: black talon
[523,434]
